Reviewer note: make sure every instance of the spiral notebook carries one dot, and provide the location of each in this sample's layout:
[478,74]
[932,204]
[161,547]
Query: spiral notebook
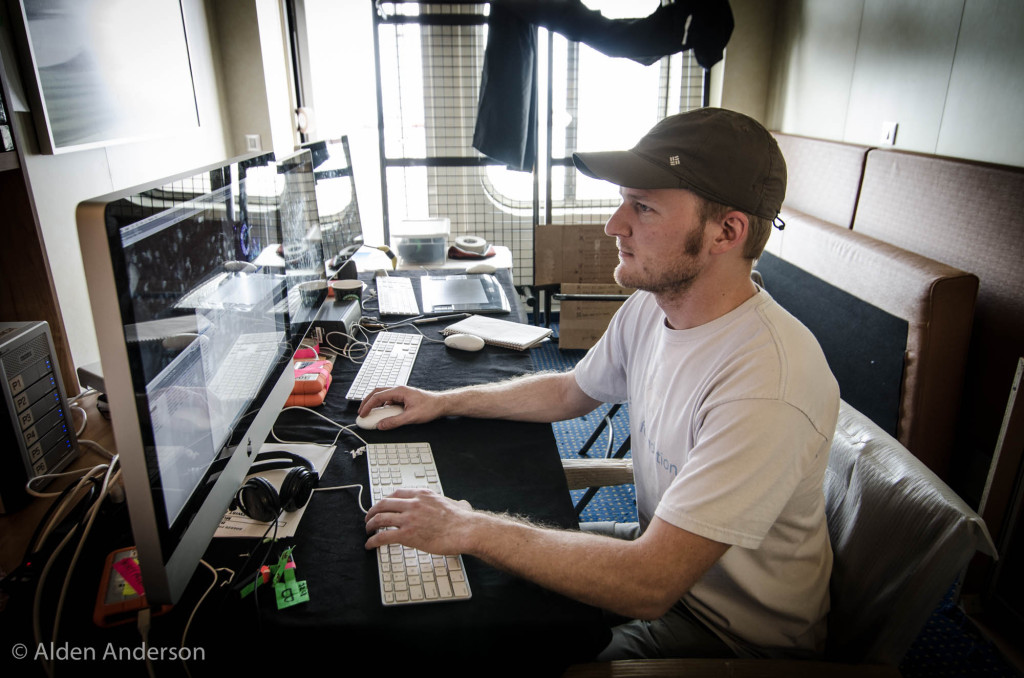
[498,332]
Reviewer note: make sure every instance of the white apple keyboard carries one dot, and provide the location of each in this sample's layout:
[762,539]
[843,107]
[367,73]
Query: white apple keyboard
[388,363]
[408,575]
[395,296]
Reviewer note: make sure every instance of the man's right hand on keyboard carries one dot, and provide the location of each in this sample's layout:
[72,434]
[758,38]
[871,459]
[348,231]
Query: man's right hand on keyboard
[419,518]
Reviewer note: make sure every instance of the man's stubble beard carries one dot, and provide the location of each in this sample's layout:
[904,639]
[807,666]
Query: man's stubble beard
[676,279]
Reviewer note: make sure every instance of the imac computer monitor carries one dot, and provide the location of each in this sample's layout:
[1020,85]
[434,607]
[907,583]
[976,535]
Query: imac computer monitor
[196,340]
[340,225]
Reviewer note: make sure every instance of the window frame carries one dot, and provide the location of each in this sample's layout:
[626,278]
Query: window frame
[542,205]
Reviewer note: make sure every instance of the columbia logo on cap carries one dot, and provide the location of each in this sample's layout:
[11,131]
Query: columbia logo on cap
[674,160]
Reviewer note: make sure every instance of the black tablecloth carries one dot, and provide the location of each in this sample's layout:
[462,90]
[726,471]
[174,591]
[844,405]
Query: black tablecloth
[495,465]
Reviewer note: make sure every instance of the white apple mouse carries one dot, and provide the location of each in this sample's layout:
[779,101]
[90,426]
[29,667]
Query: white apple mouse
[369,422]
[464,342]
[480,268]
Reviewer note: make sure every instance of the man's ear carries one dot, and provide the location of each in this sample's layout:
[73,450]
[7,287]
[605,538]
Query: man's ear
[732,232]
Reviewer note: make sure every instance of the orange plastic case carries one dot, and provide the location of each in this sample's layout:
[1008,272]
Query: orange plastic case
[306,399]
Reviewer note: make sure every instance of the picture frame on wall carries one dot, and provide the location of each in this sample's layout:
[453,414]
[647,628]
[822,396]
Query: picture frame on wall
[106,72]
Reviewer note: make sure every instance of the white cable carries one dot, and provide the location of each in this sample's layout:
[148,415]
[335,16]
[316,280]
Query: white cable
[142,623]
[85,422]
[387,327]
[37,602]
[93,512]
[46,495]
[88,472]
[188,624]
[97,447]
[70,499]
[347,351]
[436,341]
[85,418]
[343,428]
[346,487]
[88,391]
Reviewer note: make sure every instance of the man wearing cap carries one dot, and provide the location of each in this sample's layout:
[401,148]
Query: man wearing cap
[732,408]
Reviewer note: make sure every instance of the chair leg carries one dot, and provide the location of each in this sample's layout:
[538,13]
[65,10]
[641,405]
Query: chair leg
[623,448]
[605,422]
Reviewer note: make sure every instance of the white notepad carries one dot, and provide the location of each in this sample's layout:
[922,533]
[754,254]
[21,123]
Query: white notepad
[498,332]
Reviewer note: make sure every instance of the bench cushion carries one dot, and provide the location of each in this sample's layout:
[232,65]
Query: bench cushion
[935,299]
[823,177]
[968,215]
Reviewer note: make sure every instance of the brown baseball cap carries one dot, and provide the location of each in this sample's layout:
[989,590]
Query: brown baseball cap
[720,155]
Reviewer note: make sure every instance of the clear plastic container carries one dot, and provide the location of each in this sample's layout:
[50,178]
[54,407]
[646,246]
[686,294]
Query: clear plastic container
[421,242]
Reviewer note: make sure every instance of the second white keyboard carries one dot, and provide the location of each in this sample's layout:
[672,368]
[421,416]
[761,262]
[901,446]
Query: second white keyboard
[395,296]
[388,363]
[408,575]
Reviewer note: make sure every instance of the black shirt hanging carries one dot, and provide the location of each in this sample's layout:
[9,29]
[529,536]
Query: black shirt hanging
[507,110]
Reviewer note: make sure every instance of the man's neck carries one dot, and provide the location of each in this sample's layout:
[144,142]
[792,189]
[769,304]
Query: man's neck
[705,300]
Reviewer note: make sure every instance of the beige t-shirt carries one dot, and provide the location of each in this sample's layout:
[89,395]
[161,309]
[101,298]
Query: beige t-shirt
[731,424]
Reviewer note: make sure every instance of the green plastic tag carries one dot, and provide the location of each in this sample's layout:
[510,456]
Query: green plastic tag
[290,592]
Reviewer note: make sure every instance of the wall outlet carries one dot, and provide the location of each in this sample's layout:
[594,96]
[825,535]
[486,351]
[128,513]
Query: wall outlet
[253,143]
[889,132]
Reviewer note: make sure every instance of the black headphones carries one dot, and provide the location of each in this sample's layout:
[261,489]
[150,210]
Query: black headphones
[260,500]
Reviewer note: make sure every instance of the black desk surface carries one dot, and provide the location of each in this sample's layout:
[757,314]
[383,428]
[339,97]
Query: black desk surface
[495,465]
[509,626]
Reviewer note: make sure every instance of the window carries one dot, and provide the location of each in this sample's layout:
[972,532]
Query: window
[429,59]
[602,103]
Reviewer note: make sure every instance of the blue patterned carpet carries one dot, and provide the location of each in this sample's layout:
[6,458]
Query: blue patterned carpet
[948,647]
[610,503]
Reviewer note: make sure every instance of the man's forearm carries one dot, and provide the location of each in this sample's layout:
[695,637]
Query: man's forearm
[608,573]
[545,397]
[640,578]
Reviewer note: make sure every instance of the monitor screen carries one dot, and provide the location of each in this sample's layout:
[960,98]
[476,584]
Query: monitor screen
[340,224]
[196,339]
[283,196]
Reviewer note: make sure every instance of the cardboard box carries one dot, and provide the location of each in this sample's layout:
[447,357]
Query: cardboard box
[581,323]
[573,253]
[581,259]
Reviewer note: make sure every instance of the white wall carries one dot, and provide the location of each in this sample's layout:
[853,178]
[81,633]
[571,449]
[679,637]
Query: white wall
[948,71]
[740,81]
[985,104]
[249,37]
[240,70]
